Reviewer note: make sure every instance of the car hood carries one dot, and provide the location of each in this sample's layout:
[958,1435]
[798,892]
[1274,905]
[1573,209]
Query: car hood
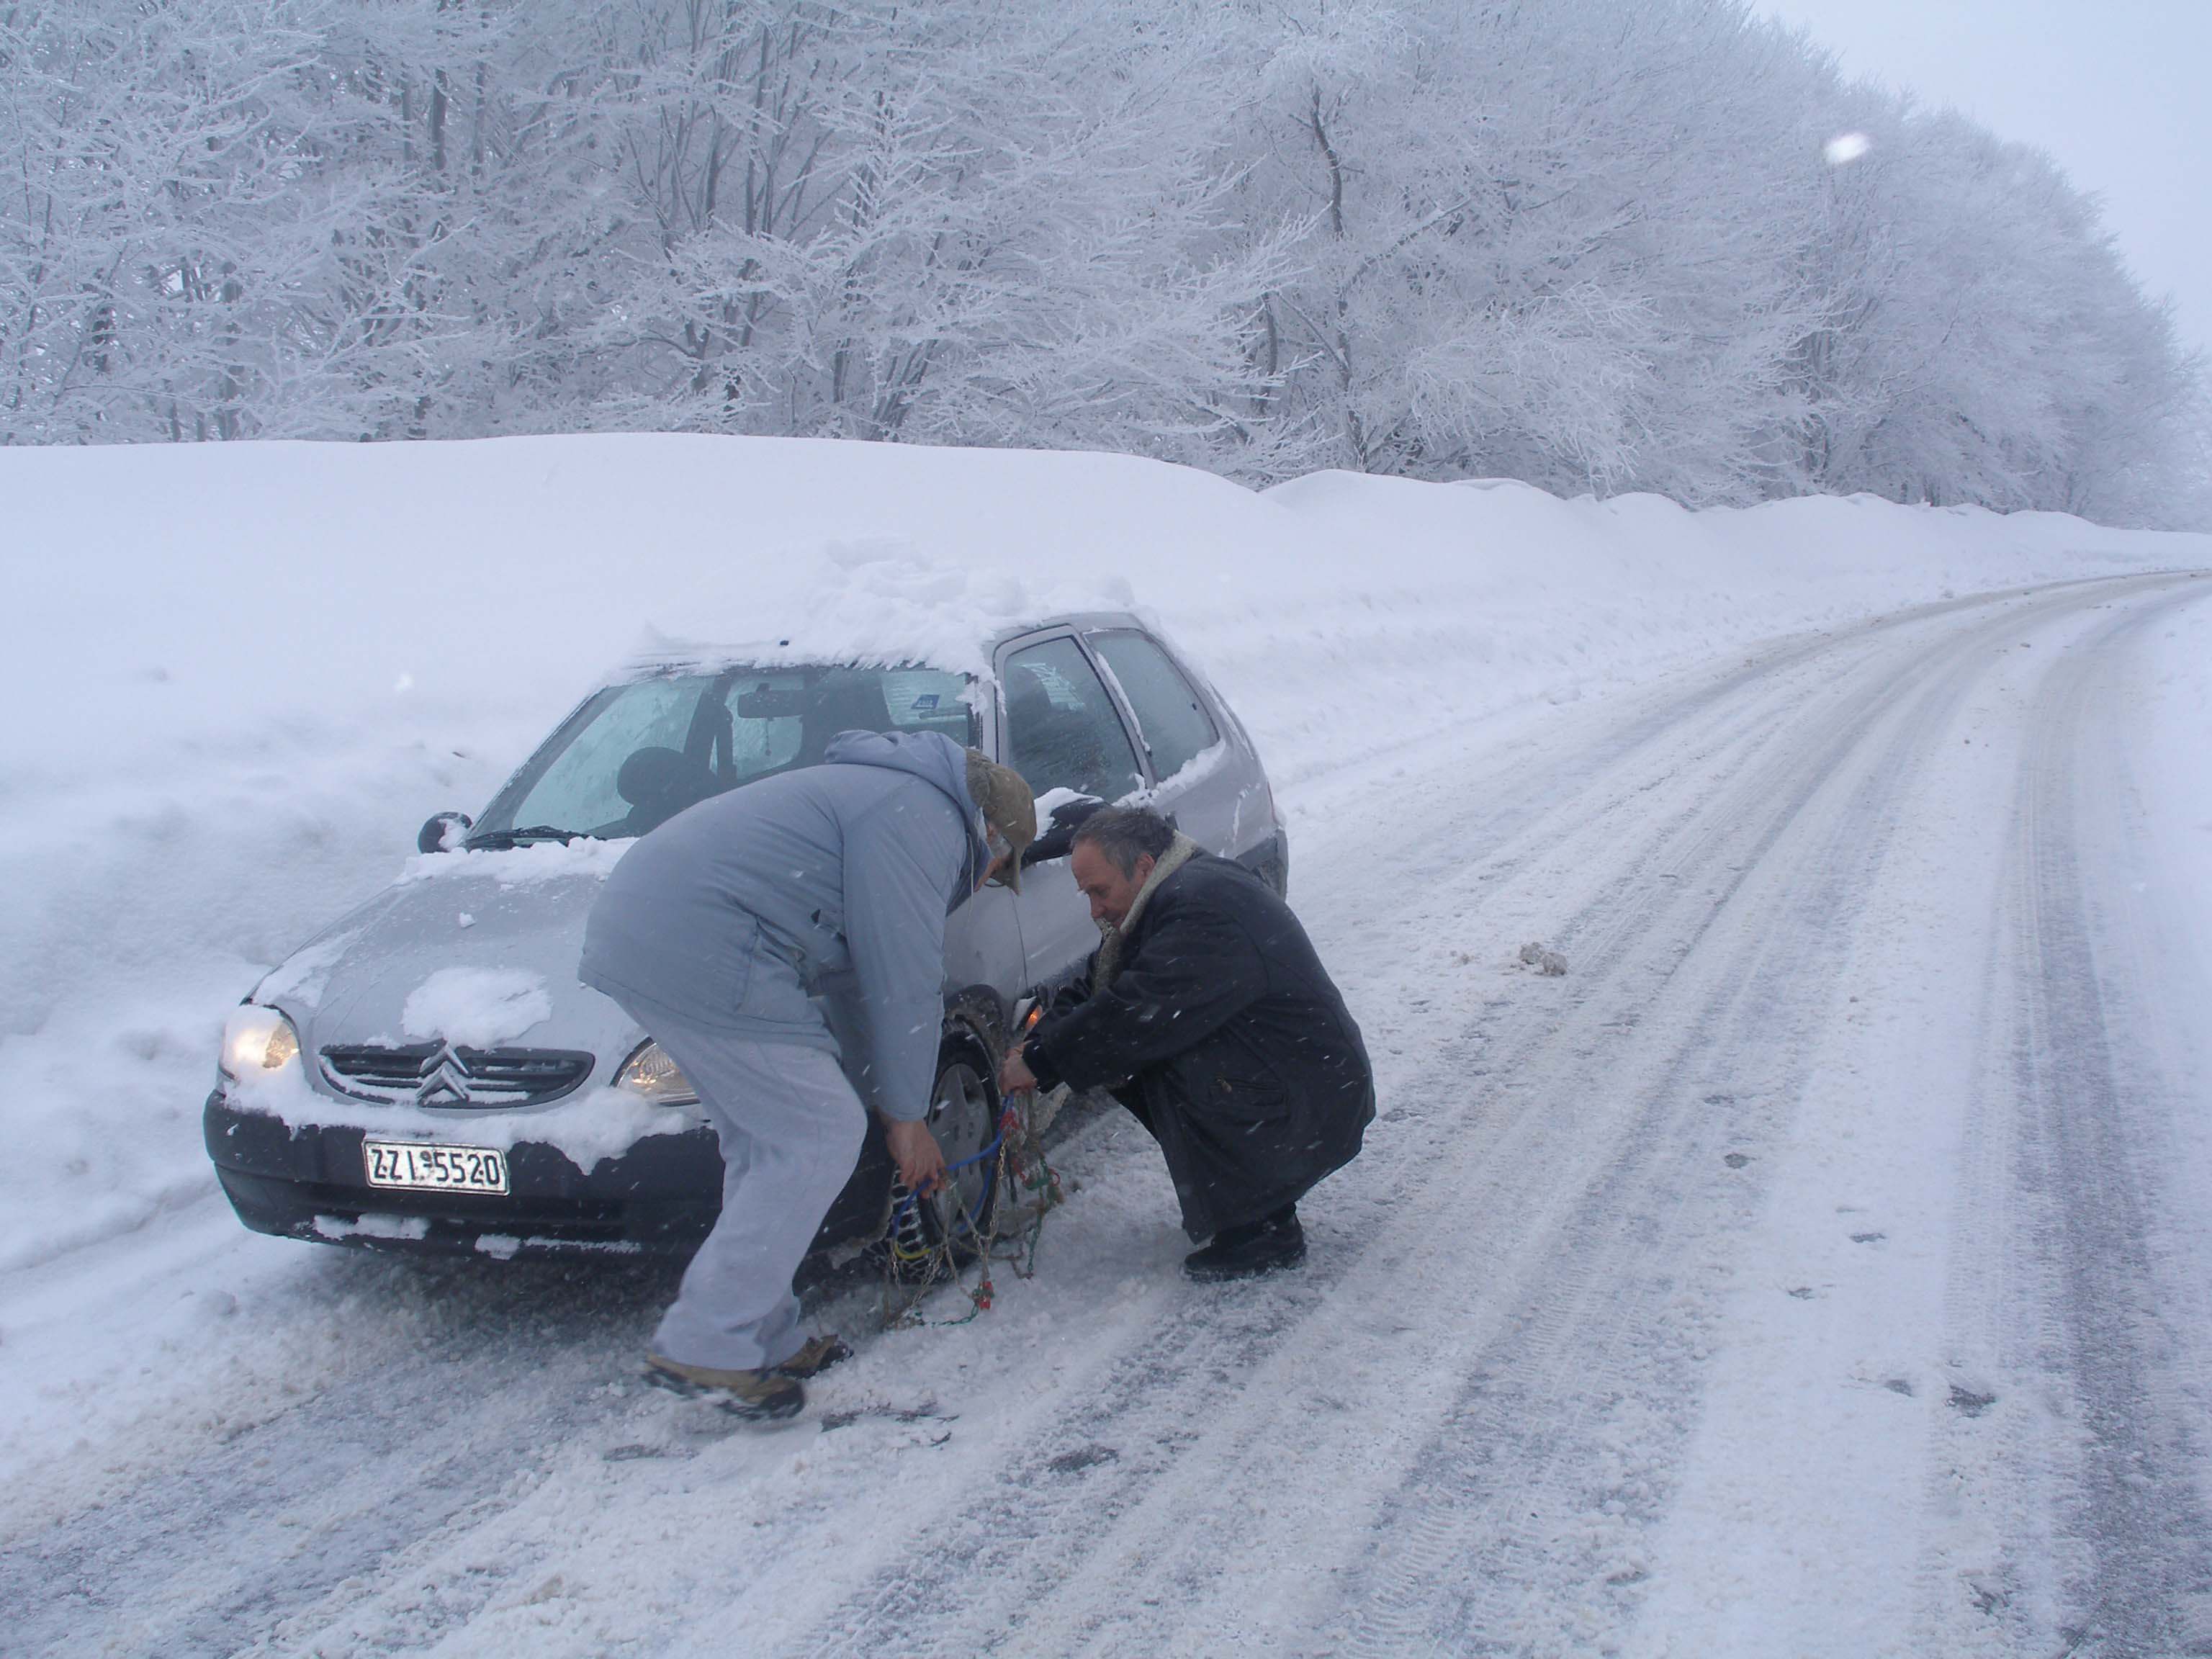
[476,949]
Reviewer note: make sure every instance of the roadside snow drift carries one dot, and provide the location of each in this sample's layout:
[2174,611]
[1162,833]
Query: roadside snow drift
[243,674]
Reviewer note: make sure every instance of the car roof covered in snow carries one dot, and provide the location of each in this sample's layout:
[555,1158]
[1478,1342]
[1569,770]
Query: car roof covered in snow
[899,646]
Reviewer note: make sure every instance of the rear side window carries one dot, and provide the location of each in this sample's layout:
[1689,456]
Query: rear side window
[1175,724]
[1061,729]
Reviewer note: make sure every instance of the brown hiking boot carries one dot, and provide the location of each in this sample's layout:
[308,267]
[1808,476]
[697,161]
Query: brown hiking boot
[816,1356]
[762,1396]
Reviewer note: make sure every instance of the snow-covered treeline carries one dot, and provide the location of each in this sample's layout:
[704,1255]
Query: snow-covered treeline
[1593,245]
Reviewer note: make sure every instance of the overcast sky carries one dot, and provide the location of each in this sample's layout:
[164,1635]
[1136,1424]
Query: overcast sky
[2116,90]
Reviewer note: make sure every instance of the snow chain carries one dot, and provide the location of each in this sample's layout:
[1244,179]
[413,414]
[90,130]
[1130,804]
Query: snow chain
[1023,1185]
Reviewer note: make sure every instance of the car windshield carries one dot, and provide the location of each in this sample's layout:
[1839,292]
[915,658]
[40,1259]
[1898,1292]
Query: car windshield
[636,754]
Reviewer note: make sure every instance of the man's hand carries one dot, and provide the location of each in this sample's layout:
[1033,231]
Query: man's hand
[1014,1073]
[914,1150]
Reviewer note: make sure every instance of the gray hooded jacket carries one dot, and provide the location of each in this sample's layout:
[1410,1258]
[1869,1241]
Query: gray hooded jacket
[834,879]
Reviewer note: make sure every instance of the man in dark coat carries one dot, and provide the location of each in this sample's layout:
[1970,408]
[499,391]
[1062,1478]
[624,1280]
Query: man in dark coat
[1208,1014]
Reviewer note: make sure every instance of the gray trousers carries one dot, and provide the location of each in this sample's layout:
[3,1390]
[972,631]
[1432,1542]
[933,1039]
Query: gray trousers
[791,1128]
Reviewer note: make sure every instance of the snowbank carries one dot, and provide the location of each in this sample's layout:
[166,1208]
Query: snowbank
[247,673]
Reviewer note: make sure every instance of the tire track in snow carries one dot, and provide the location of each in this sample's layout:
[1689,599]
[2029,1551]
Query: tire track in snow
[2103,1543]
[1470,1503]
[430,1424]
[1637,1246]
[1275,1423]
[787,1543]
[1031,1512]
[1030,1533]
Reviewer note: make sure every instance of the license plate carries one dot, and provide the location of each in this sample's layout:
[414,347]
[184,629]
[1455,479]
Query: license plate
[428,1167]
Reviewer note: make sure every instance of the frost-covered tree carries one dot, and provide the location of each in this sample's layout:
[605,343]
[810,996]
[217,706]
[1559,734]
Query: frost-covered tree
[1595,244]
[153,234]
[1988,346]
[1539,245]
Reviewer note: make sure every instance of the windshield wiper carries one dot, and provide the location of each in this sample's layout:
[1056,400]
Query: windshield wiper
[499,839]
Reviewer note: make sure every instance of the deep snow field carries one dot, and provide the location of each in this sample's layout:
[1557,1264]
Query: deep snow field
[240,676]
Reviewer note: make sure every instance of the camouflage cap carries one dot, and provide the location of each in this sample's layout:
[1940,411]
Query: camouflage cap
[1008,807]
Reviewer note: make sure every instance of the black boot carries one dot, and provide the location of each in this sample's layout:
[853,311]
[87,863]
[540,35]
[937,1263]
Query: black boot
[1266,1246]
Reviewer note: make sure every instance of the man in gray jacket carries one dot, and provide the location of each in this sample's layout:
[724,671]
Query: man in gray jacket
[713,931]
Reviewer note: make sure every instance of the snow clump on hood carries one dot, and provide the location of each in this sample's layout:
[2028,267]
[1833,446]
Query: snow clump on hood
[481,1007]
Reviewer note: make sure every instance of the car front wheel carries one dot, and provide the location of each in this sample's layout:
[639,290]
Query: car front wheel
[963,1117]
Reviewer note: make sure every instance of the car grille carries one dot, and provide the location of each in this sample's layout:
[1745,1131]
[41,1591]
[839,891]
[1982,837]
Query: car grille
[452,1076]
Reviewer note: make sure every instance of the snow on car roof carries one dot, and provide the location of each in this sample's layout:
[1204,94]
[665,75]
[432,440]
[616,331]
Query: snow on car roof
[886,601]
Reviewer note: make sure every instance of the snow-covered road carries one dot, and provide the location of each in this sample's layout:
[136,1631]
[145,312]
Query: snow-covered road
[1821,1266]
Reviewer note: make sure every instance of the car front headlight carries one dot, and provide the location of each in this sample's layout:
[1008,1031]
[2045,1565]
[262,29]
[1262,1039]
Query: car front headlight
[653,1077]
[257,1040]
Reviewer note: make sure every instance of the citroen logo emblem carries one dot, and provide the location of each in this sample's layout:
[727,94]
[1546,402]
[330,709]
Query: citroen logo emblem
[445,1081]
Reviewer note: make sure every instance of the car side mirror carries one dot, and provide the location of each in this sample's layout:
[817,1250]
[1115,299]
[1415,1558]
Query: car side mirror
[1059,836]
[441,832]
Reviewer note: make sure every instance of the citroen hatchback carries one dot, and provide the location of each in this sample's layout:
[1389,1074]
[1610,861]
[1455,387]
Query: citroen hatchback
[427,1073]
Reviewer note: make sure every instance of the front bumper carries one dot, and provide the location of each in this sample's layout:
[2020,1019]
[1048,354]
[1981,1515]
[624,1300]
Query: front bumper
[660,1198]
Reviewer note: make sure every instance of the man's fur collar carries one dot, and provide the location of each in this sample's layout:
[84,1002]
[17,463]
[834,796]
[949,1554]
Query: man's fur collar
[1181,851]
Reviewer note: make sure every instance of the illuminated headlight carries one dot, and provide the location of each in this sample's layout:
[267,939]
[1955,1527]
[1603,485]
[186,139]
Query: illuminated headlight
[652,1076]
[258,1040]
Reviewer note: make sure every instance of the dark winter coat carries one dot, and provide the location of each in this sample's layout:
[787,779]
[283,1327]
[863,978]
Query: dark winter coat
[1221,1032]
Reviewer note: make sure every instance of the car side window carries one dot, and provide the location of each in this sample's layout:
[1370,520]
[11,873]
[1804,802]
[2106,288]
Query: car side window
[1062,728]
[1177,727]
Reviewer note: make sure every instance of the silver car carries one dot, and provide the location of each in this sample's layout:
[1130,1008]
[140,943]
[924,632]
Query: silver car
[428,1072]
